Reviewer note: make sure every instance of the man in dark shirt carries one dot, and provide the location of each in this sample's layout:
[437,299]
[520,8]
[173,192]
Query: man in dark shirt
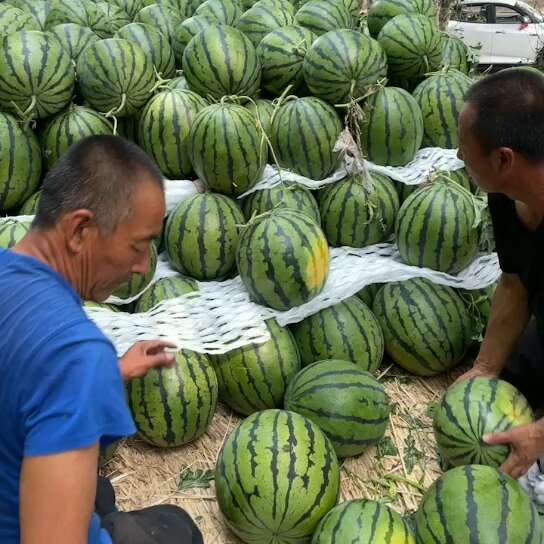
[501,132]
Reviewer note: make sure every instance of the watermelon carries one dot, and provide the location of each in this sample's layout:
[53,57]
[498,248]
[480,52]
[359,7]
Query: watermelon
[283,259]
[227,148]
[276,476]
[303,134]
[174,405]
[341,65]
[262,109]
[437,227]
[178,83]
[368,293]
[427,328]
[154,44]
[80,12]
[293,196]
[111,20]
[37,9]
[413,45]
[164,130]
[363,522]
[100,306]
[382,11]
[262,18]
[472,409]
[21,164]
[201,236]
[224,12]
[186,31]
[455,54]
[221,61]
[357,213]
[255,377]
[13,19]
[30,205]
[164,289]
[180,7]
[67,128]
[392,127]
[106,82]
[348,331]
[347,403]
[441,97]
[320,16]
[12,232]
[131,7]
[160,17]
[74,38]
[36,75]
[137,282]
[282,53]
[477,504]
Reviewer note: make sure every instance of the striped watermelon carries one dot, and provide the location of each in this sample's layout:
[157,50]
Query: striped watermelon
[455,54]
[67,128]
[164,130]
[37,9]
[173,406]
[137,282]
[107,84]
[382,11]
[221,61]
[282,53]
[262,18]
[262,110]
[255,377]
[347,403]
[227,148]
[186,31]
[303,135]
[224,12]
[13,19]
[36,75]
[12,232]
[201,236]
[348,331]
[30,205]
[437,227]
[293,196]
[283,259]
[132,7]
[160,17]
[477,504]
[21,163]
[368,293]
[164,289]
[193,5]
[89,304]
[80,12]
[74,38]
[413,45]
[180,7]
[392,127]
[276,476]
[472,409]
[357,213]
[177,84]
[321,16]
[441,97]
[341,65]
[154,44]
[363,522]
[111,20]
[427,327]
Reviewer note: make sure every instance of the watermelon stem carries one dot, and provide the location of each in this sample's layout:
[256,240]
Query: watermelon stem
[26,116]
[113,112]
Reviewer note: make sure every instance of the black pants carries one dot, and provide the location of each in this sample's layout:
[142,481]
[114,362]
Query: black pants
[525,368]
[164,524]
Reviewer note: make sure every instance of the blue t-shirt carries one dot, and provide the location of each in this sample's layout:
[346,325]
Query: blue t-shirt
[60,385]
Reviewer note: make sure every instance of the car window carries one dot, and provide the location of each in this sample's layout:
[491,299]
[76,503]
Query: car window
[474,13]
[536,14]
[505,15]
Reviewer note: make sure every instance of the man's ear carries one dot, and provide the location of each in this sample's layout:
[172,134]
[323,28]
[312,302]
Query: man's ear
[78,227]
[503,161]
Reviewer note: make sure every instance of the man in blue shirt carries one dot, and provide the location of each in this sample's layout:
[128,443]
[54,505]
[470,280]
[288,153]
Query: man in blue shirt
[61,384]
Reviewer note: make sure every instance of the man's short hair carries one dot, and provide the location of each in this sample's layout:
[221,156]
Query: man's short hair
[98,173]
[509,112]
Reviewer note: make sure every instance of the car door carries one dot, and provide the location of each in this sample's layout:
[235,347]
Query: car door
[471,23]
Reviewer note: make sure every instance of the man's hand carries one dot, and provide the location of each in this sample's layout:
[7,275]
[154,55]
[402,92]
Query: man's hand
[479,370]
[526,446]
[143,356]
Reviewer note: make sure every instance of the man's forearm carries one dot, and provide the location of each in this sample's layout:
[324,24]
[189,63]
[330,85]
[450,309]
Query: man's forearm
[509,317]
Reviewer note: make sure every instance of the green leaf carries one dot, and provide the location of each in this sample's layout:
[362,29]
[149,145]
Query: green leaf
[386,447]
[197,479]
[412,454]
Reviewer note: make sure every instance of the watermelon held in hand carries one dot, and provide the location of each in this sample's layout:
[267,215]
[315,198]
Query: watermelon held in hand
[173,406]
[276,476]
[472,409]
[283,259]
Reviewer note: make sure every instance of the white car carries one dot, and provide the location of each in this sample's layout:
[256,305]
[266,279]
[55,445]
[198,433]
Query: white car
[502,31]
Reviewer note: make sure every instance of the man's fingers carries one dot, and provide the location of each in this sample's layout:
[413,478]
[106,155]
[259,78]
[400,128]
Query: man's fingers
[155,346]
[509,466]
[162,358]
[498,438]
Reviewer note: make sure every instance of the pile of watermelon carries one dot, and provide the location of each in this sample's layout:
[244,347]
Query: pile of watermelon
[213,90]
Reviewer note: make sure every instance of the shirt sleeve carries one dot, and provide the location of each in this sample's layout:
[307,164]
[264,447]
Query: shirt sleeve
[76,397]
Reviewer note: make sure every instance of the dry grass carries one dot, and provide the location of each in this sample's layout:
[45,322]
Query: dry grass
[145,476]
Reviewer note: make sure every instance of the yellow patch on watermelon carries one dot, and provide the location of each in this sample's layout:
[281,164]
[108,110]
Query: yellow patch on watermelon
[317,270]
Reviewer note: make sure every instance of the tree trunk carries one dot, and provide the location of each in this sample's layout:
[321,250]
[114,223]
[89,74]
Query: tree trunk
[444,12]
